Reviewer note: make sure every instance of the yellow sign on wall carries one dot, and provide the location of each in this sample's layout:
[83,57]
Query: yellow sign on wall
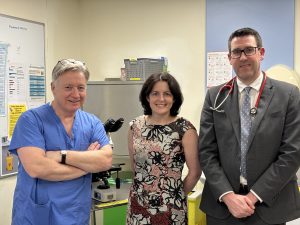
[15,111]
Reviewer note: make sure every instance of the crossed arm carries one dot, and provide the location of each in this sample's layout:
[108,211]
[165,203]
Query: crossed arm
[39,163]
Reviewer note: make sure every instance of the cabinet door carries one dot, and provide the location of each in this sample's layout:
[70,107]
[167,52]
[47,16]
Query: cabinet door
[115,215]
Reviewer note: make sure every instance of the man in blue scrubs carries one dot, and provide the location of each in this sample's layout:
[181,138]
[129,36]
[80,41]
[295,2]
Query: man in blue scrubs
[59,146]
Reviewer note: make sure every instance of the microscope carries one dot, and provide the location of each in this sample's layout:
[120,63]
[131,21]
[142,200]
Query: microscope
[101,188]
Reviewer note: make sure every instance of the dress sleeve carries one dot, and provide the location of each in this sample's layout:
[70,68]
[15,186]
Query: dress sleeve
[187,125]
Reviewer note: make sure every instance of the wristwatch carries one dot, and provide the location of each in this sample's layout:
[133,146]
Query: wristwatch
[63,154]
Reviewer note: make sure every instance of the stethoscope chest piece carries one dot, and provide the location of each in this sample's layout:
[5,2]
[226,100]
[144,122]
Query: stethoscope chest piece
[253,111]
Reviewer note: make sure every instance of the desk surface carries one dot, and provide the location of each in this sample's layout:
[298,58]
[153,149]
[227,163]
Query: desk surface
[121,198]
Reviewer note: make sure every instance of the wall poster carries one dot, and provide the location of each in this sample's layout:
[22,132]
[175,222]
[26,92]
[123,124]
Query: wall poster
[22,79]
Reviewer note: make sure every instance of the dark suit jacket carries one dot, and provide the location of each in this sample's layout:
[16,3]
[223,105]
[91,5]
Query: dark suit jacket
[273,157]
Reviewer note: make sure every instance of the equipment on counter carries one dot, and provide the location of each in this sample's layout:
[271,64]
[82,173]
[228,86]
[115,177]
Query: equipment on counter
[101,189]
[112,126]
[102,177]
[104,195]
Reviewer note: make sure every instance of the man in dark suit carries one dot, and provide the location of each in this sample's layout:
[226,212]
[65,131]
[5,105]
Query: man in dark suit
[250,178]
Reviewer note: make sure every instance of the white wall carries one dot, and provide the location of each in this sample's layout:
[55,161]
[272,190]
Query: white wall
[135,28]
[114,30]
[31,10]
[62,40]
[103,33]
[62,33]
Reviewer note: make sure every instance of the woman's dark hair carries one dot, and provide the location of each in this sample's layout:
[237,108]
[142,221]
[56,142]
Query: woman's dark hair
[174,88]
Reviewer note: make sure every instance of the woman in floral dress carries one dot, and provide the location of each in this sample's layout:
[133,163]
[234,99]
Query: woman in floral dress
[159,144]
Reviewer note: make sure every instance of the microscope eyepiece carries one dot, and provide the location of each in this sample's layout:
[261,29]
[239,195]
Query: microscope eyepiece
[112,126]
[109,124]
[117,125]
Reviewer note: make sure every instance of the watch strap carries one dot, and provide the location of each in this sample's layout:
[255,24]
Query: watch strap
[63,157]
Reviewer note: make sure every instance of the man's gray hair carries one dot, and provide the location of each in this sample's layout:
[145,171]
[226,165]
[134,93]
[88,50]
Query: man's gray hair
[66,65]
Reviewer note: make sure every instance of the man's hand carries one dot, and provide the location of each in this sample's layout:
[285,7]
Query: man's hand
[239,206]
[94,146]
[252,197]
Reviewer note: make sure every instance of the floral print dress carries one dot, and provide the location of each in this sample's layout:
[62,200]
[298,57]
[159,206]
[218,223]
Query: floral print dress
[156,195]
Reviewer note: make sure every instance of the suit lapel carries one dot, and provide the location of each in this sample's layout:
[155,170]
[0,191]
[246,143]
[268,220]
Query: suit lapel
[231,109]
[263,104]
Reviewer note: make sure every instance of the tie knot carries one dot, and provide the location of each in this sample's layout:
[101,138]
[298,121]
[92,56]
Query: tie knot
[247,89]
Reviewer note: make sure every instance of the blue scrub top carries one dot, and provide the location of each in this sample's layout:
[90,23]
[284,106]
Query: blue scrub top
[38,201]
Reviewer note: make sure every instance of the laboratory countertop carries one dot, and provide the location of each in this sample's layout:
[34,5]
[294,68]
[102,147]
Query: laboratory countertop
[121,198]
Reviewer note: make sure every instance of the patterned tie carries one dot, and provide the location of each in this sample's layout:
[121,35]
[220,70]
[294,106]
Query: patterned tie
[245,128]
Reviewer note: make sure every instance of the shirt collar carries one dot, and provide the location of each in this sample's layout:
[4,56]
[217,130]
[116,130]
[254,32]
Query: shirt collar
[255,84]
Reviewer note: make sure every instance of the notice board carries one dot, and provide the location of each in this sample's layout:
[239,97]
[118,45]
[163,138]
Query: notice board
[22,78]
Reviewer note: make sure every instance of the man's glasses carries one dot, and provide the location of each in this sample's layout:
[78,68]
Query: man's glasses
[237,53]
[73,61]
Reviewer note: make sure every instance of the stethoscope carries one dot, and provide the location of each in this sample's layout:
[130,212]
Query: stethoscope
[229,85]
